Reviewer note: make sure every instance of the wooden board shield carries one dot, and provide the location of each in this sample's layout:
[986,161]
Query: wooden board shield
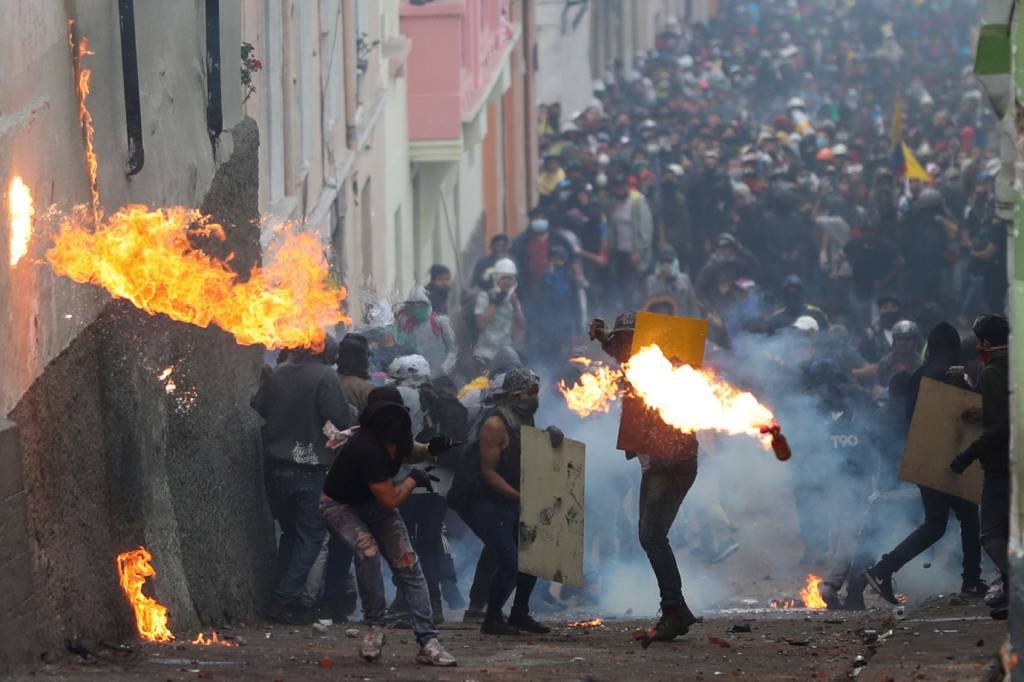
[551,508]
[641,430]
[938,433]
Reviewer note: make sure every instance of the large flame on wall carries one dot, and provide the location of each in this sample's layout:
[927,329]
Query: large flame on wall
[133,567]
[19,212]
[146,256]
[686,398]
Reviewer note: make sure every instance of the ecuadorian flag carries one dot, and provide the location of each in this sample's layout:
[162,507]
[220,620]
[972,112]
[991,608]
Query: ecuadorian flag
[904,164]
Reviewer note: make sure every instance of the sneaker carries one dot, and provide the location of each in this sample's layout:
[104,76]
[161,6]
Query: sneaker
[994,597]
[432,653]
[474,614]
[882,584]
[289,614]
[371,644]
[974,589]
[498,626]
[675,622]
[830,595]
[1000,613]
[452,596]
[527,623]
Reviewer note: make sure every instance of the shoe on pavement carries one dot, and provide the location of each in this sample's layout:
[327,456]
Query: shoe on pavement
[432,653]
[497,625]
[289,614]
[527,623]
[974,589]
[675,622]
[371,644]
[474,614]
[830,595]
[995,595]
[1000,613]
[882,584]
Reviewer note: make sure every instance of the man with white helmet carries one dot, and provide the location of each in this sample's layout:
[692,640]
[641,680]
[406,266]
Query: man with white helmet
[498,311]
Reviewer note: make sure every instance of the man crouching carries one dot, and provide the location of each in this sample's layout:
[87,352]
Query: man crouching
[360,507]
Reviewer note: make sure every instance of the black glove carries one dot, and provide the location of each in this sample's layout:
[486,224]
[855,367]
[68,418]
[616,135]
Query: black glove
[598,329]
[440,443]
[422,478]
[959,465]
[500,296]
[556,436]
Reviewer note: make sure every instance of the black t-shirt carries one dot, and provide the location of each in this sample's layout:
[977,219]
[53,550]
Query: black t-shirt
[362,460]
[871,260]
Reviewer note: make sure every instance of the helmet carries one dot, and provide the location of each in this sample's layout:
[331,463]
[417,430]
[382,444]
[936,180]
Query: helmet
[929,198]
[840,150]
[603,159]
[518,380]
[806,323]
[675,169]
[685,62]
[505,267]
[904,329]
[825,154]
[410,370]
[796,103]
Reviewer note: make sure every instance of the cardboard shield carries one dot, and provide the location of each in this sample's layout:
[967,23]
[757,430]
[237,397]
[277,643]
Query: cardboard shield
[551,508]
[641,430]
[938,433]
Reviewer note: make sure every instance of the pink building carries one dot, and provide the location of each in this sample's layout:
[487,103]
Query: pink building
[471,122]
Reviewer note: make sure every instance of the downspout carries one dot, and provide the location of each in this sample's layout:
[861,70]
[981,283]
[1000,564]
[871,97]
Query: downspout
[130,80]
[348,28]
[214,107]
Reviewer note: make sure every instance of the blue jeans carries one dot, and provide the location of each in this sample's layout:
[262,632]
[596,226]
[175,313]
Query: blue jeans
[294,496]
[370,529]
[497,526]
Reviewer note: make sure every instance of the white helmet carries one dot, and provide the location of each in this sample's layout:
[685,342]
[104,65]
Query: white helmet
[807,324]
[796,103]
[506,267]
[410,370]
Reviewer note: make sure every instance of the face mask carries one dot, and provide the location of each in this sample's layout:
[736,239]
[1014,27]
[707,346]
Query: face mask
[420,314]
[539,225]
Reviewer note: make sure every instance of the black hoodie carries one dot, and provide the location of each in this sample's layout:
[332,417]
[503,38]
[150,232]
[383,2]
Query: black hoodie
[992,447]
[943,352]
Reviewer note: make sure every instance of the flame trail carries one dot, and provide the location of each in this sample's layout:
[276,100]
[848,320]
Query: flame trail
[20,211]
[82,78]
[595,391]
[146,256]
[133,567]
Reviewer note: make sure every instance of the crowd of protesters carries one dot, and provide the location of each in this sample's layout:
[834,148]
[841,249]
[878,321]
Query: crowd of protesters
[816,172]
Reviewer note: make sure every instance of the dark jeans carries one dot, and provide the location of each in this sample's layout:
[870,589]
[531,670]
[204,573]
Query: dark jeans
[370,530]
[497,526]
[995,521]
[294,496]
[937,506]
[486,566]
[663,486]
[424,517]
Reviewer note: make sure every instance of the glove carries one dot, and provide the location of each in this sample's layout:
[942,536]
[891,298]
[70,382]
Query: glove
[422,478]
[556,436]
[500,297]
[959,465]
[440,443]
[598,329]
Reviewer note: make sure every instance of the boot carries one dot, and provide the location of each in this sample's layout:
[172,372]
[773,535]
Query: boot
[521,619]
[675,621]
[496,625]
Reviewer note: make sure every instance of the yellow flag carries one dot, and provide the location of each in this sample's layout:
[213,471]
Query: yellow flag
[912,167]
[896,133]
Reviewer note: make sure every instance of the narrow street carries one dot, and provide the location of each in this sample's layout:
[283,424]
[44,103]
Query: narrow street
[935,641]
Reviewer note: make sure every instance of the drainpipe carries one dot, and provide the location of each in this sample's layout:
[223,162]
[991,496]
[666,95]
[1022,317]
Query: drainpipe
[130,79]
[349,30]
[214,108]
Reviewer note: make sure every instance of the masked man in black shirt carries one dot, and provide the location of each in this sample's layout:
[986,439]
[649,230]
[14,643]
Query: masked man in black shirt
[360,506]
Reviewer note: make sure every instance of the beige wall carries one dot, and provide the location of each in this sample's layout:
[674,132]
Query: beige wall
[40,139]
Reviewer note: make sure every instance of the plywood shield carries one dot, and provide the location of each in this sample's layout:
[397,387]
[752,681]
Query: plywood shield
[938,433]
[551,508]
[681,339]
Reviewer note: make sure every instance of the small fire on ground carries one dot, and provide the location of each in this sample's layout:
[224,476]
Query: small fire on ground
[810,597]
[587,624]
[212,640]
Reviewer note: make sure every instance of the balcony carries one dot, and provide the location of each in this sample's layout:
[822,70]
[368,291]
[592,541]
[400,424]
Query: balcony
[460,53]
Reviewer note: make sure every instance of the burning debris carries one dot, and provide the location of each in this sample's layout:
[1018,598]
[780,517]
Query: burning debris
[133,567]
[810,597]
[213,640]
[20,211]
[586,624]
[711,404]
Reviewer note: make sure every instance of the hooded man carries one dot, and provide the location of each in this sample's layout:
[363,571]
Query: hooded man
[794,306]
[486,496]
[943,352]
[439,287]
[296,401]
[354,369]
[664,483]
[421,330]
[360,507]
[498,311]
[992,447]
